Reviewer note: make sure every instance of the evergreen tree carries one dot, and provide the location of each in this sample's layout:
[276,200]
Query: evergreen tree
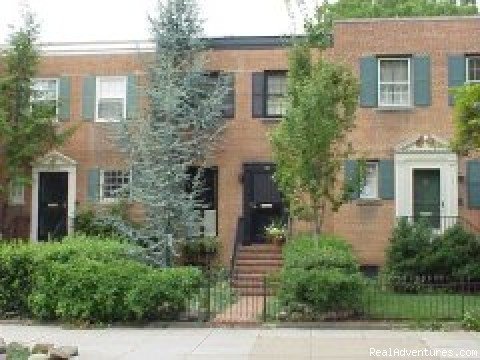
[178,129]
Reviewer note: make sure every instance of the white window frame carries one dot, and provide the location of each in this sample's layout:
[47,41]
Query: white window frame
[409,82]
[102,182]
[14,197]
[374,194]
[467,68]
[57,88]
[268,75]
[97,96]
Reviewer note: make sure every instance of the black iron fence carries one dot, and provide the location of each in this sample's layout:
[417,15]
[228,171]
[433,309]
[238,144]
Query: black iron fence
[249,300]
[441,223]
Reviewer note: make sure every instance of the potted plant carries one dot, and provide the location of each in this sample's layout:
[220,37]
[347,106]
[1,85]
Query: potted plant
[276,232]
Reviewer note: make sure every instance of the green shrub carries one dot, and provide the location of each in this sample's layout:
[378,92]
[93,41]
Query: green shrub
[471,320]
[410,244]
[19,263]
[320,275]
[89,279]
[88,290]
[16,278]
[415,251]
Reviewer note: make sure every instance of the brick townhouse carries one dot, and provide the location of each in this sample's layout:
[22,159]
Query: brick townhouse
[403,126]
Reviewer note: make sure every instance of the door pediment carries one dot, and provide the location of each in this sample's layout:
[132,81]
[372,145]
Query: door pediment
[54,159]
[424,144]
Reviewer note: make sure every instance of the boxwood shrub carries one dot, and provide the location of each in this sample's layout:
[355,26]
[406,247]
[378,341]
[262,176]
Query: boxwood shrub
[320,275]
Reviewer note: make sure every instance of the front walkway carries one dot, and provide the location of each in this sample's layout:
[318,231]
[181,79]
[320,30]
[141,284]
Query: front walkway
[233,344]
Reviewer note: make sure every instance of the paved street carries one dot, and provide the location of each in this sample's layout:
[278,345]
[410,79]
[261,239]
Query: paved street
[255,344]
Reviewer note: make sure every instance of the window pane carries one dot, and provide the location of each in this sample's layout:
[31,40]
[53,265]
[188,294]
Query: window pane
[44,90]
[474,69]
[276,105]
[110,109]
[370,189]
[276,94]
[392,94]
[113,182]
[277,84]
[394,70]
[112,88]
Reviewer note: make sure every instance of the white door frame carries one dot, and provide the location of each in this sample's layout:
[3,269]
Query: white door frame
[53,162]
[407,159]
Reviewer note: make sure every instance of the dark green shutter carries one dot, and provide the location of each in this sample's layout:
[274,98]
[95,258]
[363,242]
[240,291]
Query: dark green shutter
[89,98]
[93,185]
[131,96]
[64,98]
[229,108]
[456,73]
[421,81]
[473,184]
[368,81]
[386,179]
[258,95]
[351,169]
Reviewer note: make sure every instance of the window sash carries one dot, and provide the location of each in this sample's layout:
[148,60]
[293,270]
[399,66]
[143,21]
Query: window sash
[370,188]
[276,94]
[112,182]
[111,98]
[45,94]
[394,92]
[473,68]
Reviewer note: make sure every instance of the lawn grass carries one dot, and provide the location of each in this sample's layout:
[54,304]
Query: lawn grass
[384,304]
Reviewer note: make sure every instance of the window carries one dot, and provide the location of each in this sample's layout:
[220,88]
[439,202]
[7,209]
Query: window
[228,108]
[473,69]
[112,182]
[111,98]
[394,82]
[16,195]
[276,91]
[45,97]
[370,189]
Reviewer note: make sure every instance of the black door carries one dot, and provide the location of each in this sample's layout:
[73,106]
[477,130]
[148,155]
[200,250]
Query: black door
[262,202]
[52,205]
[426,196]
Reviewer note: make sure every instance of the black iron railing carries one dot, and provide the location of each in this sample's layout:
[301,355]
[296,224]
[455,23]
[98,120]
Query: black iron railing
[442,223]
[239,237]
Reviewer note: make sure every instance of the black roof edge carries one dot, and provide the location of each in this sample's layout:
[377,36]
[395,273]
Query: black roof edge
[251,42]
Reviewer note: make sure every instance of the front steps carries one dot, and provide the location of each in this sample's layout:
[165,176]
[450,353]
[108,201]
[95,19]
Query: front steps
[253,264]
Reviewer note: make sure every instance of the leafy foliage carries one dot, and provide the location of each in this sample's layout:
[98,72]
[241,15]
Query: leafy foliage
[319,29]
[178,130]
[471,320]
[25,132]
[415,251]
[467,118]
[320,274]
[310,144]
[90,279]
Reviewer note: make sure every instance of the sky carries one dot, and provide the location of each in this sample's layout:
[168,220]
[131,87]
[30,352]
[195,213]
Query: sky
[91,20]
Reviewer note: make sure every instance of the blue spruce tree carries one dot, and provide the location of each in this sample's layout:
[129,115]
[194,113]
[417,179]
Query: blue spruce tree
[180,127]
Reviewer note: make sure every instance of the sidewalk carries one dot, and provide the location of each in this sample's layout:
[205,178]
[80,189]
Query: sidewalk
[236,344]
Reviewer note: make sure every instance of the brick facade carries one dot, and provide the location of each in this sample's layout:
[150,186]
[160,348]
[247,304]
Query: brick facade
[366,225]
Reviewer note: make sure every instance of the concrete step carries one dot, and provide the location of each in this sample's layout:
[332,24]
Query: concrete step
[260,248]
